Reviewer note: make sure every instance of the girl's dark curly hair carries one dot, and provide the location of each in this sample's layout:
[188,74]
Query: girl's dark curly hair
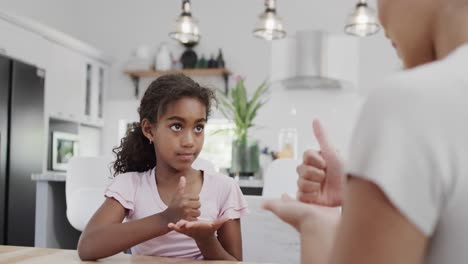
[135,153]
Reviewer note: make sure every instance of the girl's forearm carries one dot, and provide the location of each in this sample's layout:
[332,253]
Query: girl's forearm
[107,240]
[212,249]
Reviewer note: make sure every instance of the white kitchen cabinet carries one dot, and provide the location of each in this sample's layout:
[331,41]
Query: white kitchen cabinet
[19,43]
[76,74]
[65,84]
[96,81]
[76,78]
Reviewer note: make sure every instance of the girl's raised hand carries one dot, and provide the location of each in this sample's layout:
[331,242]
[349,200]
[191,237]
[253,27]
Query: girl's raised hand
[183,206]
[198,230]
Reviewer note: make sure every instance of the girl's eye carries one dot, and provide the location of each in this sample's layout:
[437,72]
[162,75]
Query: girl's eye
[199,129]
[176,127]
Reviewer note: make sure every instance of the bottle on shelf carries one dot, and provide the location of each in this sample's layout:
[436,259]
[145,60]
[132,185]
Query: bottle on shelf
[220,59]
[212,62]
[202,63]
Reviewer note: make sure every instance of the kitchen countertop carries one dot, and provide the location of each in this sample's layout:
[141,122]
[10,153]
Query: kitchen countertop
[49,176]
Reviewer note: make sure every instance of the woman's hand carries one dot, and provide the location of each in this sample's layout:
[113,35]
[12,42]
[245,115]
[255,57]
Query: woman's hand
[317,226]
[182,206]
[198,230]
[302,216]
[321,174]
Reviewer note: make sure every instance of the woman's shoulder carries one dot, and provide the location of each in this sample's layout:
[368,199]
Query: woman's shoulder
[419,85]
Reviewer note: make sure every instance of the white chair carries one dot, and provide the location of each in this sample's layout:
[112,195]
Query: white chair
[280,177]
[203,164]
[267,239]
[87,178]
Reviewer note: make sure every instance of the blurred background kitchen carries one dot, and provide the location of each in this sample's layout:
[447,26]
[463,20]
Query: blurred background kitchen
[90,62]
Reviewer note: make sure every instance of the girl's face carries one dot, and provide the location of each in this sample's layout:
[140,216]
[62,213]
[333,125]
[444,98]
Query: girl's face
[409,26]
[179,133]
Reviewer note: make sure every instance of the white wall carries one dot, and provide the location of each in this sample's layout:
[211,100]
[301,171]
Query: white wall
[118,26]
[117,111]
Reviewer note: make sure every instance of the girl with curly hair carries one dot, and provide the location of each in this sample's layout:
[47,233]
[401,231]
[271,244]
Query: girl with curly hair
[170,208]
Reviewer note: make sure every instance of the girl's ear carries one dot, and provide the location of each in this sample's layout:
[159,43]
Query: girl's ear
[147,129]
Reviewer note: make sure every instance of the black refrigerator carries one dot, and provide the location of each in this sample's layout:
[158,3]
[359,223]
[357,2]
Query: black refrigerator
[22,148]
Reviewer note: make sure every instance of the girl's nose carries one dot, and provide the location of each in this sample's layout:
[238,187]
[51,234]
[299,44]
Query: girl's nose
[188,140]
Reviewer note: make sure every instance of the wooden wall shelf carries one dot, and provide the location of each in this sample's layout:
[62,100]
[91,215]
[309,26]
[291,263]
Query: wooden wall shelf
[136,75]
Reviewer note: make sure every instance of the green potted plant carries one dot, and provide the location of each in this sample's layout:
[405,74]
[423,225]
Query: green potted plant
[242,110]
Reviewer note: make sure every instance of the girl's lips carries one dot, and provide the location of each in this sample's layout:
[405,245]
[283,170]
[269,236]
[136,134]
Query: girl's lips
[185,156]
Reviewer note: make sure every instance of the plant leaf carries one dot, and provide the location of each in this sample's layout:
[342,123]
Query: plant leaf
[242,93]
[261,90]
[237,107]
[253,112]
[221,130]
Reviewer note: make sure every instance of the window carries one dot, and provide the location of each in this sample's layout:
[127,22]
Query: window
[219,134]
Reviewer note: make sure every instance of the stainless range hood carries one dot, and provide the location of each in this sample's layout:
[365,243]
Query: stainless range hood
[315,60]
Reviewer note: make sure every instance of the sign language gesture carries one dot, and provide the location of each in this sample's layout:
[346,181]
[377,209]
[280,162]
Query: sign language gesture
[198,230]
[321,174]
[316,224]
[302,216]
[183,206]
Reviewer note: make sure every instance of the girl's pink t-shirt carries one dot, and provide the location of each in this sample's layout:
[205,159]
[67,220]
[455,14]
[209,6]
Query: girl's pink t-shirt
[220,197]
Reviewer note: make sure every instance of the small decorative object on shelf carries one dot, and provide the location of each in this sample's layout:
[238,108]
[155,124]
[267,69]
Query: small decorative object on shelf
[141,59]
[176,64]
[136,75]
[220,60]
[202,63]
[163,61]
[212,62]
[188,64]
[189,58]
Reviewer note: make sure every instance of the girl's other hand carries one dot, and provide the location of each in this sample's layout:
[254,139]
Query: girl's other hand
[198,230]
[183,206]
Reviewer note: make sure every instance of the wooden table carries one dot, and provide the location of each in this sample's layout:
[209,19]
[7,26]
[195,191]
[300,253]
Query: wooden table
[34,255]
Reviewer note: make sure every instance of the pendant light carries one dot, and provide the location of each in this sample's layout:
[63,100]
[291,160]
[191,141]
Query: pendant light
[186,28]
[269,25]
[363,21]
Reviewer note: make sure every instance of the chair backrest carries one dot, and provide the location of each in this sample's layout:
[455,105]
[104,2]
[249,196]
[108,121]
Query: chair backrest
[203,164]
[87,178]
[267,239]
[280,177]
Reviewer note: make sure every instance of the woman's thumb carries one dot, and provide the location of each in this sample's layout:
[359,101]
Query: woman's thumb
[320,135]
[271,205]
